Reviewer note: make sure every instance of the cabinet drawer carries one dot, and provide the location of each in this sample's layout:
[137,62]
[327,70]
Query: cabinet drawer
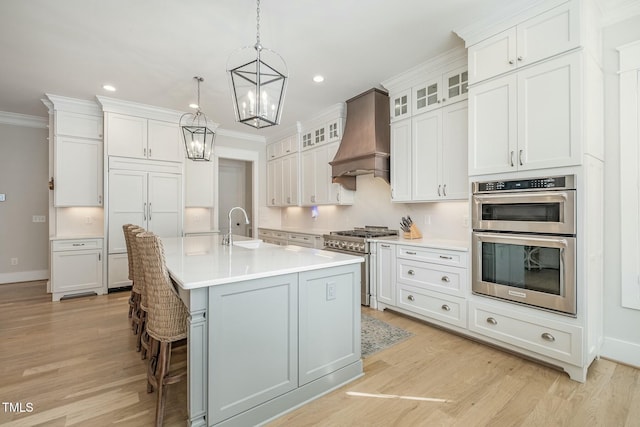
[440,278]
[544,336]
[301,240]
[265,233]
[445,308]
[76,244]
[439,256]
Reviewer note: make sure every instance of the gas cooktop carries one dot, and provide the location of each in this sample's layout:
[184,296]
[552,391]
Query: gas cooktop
[367,232]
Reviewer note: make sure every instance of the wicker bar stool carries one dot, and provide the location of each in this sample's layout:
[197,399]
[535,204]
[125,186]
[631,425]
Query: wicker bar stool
[138,317]
[166,319]
[134,299]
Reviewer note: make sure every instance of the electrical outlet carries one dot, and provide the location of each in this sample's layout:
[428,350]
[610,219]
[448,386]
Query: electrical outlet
[2,197]
[39,218]
[14,261]
[427,219]
[88,220]
[331,291]
[465,221]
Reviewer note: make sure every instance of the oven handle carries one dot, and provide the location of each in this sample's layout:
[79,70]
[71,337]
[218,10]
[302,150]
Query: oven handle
[538,196]
[524,239]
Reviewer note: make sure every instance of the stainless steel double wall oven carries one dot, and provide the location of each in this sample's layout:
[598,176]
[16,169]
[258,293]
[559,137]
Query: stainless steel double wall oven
[524,241]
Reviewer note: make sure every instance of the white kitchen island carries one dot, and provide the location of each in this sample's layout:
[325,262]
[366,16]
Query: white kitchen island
[270,327]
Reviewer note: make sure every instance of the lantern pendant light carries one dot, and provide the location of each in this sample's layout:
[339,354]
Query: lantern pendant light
[197,132]
[258,87]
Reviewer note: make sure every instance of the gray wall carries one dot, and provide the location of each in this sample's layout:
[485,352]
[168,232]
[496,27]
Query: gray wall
[621,325]
[24,172]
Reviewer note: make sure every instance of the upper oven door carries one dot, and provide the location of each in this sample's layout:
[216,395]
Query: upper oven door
[549,212]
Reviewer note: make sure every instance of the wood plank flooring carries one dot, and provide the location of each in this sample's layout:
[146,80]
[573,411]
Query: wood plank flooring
[75,362]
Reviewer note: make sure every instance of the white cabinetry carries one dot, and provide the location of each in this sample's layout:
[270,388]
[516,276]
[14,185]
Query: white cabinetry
[527,120]
[451,86]
[76,267]
[141,138]
[283,160]
[429,160]
[548,34]
[148,194]
[200,184]
[280,237]
[385,274]
[317,188]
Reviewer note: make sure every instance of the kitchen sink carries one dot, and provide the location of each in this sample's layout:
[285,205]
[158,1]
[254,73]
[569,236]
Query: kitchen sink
[250,244]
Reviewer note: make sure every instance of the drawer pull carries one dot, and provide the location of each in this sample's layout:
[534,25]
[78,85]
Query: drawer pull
[445,257]
[445,279]
[411,298]
[77,244]
[548,337]
[411,253]
[411,273]
[445,307]
[386,246]
[492,321]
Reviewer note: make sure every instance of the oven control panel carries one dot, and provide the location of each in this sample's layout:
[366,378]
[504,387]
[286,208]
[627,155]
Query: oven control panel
[359,247]
[555,183]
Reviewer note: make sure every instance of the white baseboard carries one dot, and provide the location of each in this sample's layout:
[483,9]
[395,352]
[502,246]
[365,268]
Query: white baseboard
[621,351]
[24,276]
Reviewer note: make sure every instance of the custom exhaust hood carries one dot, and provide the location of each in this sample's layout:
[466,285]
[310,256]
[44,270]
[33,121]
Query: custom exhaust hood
[365,145]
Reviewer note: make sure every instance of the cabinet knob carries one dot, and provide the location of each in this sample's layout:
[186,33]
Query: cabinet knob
[411,298]
[445,279]
[445,307]
[444,99]
[411,273]
[492,321]
[511,62]
[548,337]
[520,58]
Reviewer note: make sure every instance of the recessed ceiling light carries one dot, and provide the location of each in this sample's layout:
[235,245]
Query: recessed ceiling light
[318,78]
[109,88]
[194,106]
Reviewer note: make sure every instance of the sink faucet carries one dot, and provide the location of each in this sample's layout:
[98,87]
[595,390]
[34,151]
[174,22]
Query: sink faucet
[228,238]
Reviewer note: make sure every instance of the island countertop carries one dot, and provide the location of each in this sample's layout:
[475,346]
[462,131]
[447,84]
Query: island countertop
[201,261]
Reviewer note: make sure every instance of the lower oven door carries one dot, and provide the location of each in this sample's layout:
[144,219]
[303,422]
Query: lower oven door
[365,294]
[528,269]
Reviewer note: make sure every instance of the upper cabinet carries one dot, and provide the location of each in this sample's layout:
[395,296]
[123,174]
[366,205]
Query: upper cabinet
[283,161]
[141,138]
[78,153]
[540,37]
[440,90]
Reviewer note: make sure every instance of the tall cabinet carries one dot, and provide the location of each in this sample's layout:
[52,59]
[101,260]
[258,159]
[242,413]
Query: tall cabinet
[144,177]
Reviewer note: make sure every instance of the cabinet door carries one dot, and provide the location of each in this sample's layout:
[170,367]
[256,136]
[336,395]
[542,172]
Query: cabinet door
[322,175]
[127,205]
[427,96]
[290,180]
[455,85]
[400,105]
[337,193]
[200,184]
[401,161]
[308,178]
[257,318]
[278,180]
[493,56]
[386,273]
[549,104]
[78,172]
[79,125]
[426,135]
[334,129]
[164,206]
[126,136]
[548,34]
[75,272]
[271,183]
[492,126]
[164,141]
[454,166]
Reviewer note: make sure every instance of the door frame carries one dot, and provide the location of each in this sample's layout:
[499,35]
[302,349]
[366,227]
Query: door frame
[244,155]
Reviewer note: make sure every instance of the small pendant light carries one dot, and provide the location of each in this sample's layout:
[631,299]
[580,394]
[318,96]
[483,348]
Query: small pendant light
[197,132]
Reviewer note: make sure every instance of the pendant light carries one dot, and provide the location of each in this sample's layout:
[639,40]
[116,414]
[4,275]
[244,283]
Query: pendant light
[257,87]
[197,132]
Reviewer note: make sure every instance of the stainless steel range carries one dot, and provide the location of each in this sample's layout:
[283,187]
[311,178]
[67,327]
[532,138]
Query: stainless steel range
[356,242]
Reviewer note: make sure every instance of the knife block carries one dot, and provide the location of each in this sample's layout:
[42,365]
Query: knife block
[413,233]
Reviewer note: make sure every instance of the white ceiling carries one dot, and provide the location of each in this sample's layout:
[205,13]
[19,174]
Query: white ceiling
[151,49]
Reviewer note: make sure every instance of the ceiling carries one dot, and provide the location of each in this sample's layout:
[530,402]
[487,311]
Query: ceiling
[150,50]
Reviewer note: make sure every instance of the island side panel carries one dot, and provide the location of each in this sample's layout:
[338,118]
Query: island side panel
[329,321]
[196,301]
[253,344]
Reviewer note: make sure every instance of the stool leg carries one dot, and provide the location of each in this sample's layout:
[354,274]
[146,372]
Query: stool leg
[162,370]
[141,326]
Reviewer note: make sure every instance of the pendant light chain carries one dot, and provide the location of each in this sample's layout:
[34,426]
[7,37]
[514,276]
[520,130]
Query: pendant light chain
[258,23]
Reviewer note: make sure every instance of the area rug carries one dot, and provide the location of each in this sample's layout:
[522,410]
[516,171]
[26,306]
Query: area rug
[377,335]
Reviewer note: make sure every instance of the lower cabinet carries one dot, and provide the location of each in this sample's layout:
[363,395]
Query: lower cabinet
[279,237]
[76,267]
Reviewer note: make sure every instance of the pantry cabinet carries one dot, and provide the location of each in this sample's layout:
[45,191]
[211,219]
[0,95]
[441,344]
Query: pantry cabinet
[527,120]
[543,36]
[142,138]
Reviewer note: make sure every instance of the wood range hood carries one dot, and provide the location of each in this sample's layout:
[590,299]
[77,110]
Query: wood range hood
[365,146]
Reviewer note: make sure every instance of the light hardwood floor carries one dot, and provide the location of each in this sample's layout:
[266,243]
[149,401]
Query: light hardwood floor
[75,362]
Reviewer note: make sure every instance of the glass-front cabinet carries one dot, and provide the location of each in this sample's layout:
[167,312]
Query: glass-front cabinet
[401,105]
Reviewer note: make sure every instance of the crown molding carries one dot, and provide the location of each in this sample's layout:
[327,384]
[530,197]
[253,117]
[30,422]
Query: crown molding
[23,120]
[63,103]
[241,135]
[112,105]
[615,11]
[283,133]
[335,111]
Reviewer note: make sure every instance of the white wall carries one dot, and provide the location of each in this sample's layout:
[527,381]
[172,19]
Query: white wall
[621,325]
[372,206]
[23,178]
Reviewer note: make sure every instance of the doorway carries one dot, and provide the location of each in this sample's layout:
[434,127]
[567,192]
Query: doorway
[235,189]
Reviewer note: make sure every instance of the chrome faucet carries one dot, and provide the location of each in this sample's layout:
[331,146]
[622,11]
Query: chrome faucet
[228,238]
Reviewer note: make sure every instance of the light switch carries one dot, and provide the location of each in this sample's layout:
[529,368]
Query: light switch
[2,197]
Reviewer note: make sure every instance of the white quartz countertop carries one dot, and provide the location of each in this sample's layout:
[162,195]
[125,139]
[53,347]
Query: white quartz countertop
[200,261]
[426,242]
